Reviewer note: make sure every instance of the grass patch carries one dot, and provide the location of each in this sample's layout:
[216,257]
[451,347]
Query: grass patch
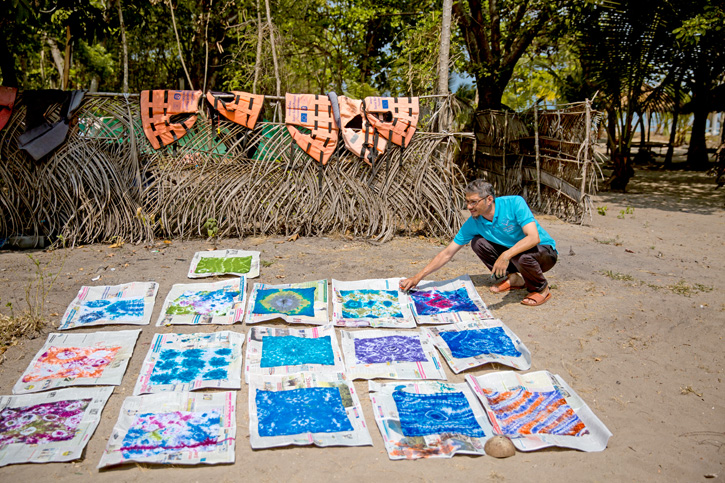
[31,322]
[13,328]
[266,263]
[685,289]
[680,288]
[617,276]
[609,241]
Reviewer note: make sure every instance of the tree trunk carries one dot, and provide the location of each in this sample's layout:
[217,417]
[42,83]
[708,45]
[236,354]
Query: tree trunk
[673,131]
[7,63]
[274,49]
[444,55]
[260,39]
[697,152]
[178,45]
[125,48]
[66,59]
[623,170]
[489,95]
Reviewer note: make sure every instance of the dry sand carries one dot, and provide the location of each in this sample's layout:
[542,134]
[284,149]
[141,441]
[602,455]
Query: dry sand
[635,326]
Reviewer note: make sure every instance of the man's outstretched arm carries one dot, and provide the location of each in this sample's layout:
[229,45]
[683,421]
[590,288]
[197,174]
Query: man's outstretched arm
[438,261]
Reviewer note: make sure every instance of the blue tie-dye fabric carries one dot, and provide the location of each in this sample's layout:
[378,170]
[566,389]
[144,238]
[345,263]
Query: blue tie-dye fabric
[111,309]
[471,343]
[425,414]
[183,367]
[297,411]
[289,350]
[391,348]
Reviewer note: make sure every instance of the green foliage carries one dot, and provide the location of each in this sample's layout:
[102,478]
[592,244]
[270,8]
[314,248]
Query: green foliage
[211,228]
[602,210]
[627,211]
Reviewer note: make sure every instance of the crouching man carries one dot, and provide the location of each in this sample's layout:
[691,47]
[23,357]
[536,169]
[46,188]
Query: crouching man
[508,240]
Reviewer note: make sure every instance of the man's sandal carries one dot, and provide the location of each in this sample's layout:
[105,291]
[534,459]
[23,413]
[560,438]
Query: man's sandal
[535,298]
[504,286]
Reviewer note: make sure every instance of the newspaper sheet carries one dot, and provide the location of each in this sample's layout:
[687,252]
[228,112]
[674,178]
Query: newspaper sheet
[371,303]
[305,409]
[128,303]
[90,359]
[548,411]
[220,303]
[449,301]
[306,359]
[440,419]
[390,354]
[177,428]
[295,303]
[50,426]
[471,344]
[187,362]
[224,262]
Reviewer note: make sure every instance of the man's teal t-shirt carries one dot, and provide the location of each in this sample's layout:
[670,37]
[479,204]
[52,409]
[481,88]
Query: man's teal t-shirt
[510,215]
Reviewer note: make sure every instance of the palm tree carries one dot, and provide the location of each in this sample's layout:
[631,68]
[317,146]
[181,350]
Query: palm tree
[622,48]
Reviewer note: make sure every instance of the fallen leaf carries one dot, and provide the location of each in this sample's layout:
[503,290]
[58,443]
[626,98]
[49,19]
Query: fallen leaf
[80,269]
[628,250]
[280,276]
[597,359]
[168,242]
[54,314]
[294,237]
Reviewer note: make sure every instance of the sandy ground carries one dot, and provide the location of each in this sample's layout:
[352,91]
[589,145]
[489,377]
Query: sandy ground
[635,327]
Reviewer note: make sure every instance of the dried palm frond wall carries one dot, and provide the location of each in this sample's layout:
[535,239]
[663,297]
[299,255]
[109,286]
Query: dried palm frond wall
[107,181]
[544,155]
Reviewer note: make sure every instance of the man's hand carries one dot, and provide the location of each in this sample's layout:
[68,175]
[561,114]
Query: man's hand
[501,266]
[408,283]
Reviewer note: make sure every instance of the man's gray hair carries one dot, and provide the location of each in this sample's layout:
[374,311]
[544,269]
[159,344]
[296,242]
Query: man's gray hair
[482,188]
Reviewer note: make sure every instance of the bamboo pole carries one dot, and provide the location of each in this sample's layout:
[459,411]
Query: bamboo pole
[538,158]
[505,141]
[587,141]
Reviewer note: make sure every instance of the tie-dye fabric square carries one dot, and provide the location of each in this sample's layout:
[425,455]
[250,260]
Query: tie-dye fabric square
[126,310]
[186,366]
[426,414]
[240,265]
[308,410]
[178,428]
[521,411]
[45,423]
[288,301]
[393,348]
[71,362]
[471,343]
[204,302]
[187,362]
[432,302]
[292,351]
[152,434]
[373,304]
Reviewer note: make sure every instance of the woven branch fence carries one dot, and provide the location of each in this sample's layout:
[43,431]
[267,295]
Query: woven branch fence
[106,181]
[544,155]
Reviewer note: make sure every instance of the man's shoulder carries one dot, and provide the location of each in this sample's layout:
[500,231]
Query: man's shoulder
[513,201]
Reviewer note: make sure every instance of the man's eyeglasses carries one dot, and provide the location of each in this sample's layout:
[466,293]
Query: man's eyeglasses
[472,203]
